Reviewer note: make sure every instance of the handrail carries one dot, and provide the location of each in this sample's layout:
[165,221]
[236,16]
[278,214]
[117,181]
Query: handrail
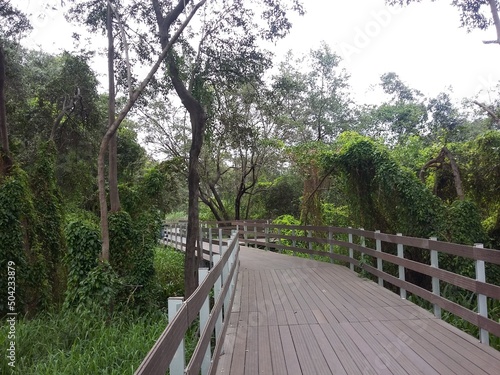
[221,278]
[270,237]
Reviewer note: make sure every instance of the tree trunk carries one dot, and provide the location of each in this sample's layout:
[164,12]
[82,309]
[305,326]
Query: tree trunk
[6,161]
[445,153]
[198,119]
[121,116]
[114,198]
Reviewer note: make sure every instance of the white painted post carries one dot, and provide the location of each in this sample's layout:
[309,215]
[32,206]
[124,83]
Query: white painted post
[436,288]
[378,247]
[363,244]
[266,235]
[330,238]
[402,291]
[351,252]
[180,233]
[224,274]
[201,244]
[217,291]
[204,316]
[178,363]
[220,241]
[482,306]
[177,233]
[210,248]
[279,240]
[309,235]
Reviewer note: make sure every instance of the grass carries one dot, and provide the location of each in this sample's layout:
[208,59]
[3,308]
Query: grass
[70,343]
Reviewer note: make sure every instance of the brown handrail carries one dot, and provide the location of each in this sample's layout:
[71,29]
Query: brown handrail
[270,236]
[158,359]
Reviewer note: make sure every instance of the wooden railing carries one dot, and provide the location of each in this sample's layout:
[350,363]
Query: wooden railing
[212,234]
[349,245]
[168,352]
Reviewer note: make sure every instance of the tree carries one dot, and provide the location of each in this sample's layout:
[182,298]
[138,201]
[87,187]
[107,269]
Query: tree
[13,23]
[167,41]
[403,115]
[311,95]
[226,54]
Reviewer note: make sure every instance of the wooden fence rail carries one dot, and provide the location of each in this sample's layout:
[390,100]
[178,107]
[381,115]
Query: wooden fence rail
[326,242]
[168,351]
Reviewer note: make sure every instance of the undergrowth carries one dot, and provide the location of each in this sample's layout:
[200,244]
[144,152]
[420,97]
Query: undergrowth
[90,341]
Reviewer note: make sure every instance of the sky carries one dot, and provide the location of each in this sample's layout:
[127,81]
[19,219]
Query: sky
[422,43]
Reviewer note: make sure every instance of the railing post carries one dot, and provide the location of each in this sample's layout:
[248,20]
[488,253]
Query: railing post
[279,240]
[255,235]
[234,237]
[402,291]
[482,306]
[220,241]
[210,248]
[178,362]
[217,291]
[245,235]
[351,251]
[266,237]
[436,288]
[180,234]
[378,247]
[363,244]
[200,241]
[204,316]
[310,245]
[294,241]
[330,238]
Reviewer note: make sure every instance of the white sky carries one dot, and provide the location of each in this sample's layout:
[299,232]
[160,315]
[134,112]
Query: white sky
[422,43]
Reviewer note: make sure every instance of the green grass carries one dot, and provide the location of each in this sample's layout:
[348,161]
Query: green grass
[88,342]
[68,343]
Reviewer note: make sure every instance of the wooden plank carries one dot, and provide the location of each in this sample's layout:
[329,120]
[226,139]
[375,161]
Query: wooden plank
[364,347]
[334,333]
[291,360]
[296,293]
[387,354]
[252,351]
[264,347]
[400,343]
[444,354]
[316,354]
[301,348]
[333,357]
[277,355]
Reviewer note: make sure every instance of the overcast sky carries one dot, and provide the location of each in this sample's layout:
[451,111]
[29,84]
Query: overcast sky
[422,43]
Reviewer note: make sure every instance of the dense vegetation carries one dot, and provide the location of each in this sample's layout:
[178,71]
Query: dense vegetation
[87,175]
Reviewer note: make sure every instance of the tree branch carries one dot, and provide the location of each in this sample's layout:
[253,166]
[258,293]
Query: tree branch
[488,110]
[496,21]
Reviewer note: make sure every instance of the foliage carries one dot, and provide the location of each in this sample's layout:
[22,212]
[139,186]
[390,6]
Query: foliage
[83,342]
[19,243]
[481,163]
[169,270]
[383,195]
[50,229]
[334,215]
[131,254]
[84,245]
[282,197]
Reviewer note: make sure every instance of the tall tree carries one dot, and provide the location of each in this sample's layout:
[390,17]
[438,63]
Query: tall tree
[12,23]
[226,54]
[167,38]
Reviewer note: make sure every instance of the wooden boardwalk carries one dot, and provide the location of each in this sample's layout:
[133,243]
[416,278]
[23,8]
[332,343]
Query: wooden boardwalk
[297,316]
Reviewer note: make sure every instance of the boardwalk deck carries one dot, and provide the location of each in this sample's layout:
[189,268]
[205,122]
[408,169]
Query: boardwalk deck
[298,316]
